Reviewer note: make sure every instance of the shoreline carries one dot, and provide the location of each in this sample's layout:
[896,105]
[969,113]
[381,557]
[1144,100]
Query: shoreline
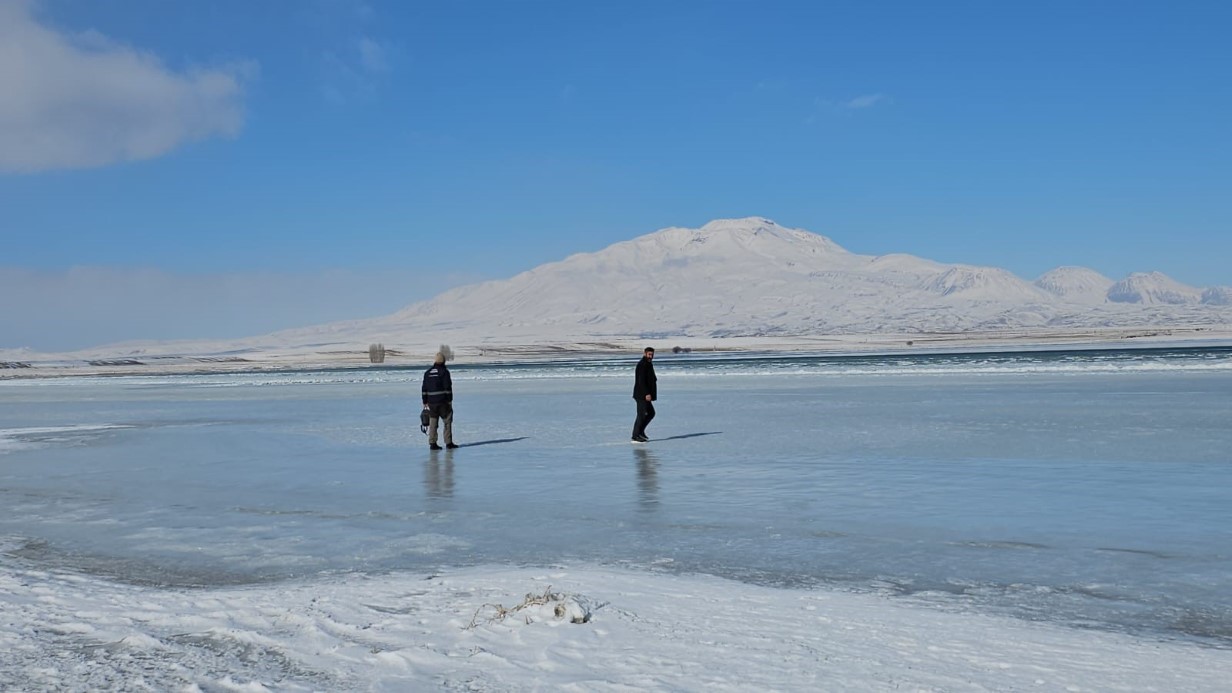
[107,363]
[104,363]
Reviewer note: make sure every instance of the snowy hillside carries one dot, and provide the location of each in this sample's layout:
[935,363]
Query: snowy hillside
[984,283]
[1078,284]
[1151,288]
[1218,296]
[730,277]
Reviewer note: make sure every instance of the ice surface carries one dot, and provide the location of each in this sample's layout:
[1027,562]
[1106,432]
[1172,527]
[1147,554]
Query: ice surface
[1086,491]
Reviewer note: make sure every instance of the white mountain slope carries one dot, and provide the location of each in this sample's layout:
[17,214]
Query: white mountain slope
[1078,284]
[745,272]
[1218,296]
[1152,288]
[985,283]
[730,277]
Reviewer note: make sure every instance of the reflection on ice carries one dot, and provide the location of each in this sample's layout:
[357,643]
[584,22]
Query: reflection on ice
[647,478]
[438,475]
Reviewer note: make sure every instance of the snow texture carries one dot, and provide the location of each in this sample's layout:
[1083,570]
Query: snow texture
[640,632]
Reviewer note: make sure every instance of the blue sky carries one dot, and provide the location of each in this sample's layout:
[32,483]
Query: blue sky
[226,168]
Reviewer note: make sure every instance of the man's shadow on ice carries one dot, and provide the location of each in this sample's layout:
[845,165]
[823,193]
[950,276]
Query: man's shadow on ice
[493,442]
[687,435]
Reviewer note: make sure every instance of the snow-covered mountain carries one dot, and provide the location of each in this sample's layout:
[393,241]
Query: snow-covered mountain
[1152,288]
[752,278]
[1078,284]
[1218,296]
[985,283]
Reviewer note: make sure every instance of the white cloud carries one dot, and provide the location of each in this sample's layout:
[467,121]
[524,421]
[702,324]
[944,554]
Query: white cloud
[354,72]
[373,55]
[82,100]
[866,101]
[82,307]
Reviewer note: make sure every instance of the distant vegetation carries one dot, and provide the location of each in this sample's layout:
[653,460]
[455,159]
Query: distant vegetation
[376,353]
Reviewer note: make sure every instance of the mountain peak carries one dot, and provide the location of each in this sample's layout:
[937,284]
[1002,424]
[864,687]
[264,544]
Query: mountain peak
[982,283]
[759,235]
[749,224]
[1153,288]
[1080,284]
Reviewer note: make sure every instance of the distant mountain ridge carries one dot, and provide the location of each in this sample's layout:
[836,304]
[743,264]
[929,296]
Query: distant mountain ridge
[751,277]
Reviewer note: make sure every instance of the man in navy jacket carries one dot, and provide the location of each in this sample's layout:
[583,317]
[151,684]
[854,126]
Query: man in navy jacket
[437,393]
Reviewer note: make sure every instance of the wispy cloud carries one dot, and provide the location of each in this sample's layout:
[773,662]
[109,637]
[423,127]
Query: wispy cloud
[83,100]
[373,56]
[829,108]
[866,101]
[356,69]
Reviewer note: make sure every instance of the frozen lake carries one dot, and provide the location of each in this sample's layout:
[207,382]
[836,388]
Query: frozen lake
[1086,489]
[1091,488]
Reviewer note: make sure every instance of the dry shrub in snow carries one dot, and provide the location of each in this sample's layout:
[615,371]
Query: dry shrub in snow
[549,606]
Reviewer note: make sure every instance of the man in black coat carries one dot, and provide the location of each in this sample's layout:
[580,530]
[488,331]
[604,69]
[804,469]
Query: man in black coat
[645,392]
[437,393]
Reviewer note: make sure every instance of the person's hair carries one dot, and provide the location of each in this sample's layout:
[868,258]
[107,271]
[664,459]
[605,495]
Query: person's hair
[650,349]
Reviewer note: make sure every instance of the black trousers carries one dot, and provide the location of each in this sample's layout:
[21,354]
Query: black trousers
[645,412]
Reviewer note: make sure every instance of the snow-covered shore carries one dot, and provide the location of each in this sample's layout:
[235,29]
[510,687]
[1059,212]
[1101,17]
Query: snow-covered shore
[173,357]
[601,629]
